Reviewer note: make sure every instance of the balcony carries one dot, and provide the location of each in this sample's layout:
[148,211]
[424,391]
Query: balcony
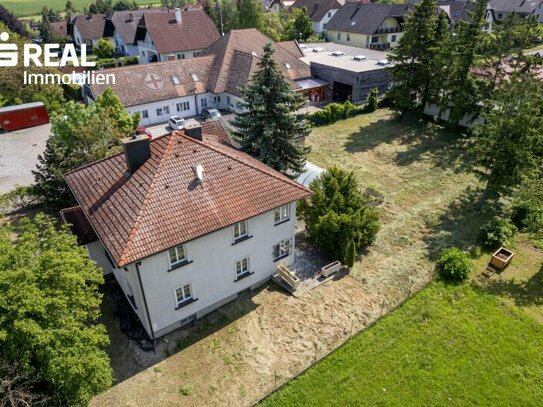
[392,30]
[380,46]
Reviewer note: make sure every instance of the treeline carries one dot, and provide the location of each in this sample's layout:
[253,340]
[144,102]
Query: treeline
[482,78]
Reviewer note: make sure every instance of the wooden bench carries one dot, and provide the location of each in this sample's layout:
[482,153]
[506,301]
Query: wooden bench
[288,276]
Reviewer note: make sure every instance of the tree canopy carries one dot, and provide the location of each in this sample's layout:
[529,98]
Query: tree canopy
[338,219]
[269,127]
[104,49]
[49,304]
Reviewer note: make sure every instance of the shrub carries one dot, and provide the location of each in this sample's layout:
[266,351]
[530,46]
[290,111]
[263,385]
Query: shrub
[528,215]
[337,216]
[373,101]
[17,198]
[333,112]
[454,265]
[497,233]
[104,49]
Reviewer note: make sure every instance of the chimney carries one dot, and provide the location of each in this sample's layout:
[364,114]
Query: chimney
[178,15]
[199,172]
[194,131]
[137,150]
[130,17]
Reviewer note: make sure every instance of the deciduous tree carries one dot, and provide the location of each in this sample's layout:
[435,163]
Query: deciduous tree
[249,14]
[269,126]
[49,304]
[104,49]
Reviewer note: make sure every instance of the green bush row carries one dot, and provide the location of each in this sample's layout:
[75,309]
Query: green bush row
[115,62]
[338,111]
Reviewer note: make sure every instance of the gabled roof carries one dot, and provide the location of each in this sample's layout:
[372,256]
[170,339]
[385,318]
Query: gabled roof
[365,18]
[317,9]
[236,56]
[139,84]
[162,205]
[126,22]
[60,28]
[195,31]
[293,47]
[90,26]
[518,6]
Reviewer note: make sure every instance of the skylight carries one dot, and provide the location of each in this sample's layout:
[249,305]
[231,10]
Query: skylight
[194,77]
[175,80]
[287,65]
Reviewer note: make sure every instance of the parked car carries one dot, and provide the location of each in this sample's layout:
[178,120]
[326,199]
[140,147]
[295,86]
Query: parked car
[177,122]
[142,130]
[209,113]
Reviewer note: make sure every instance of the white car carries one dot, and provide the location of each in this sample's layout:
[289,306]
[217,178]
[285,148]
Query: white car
[177,122]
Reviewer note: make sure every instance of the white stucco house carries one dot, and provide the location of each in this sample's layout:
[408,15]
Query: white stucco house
[320,11]
[184,86]
[88,29]
[184,222]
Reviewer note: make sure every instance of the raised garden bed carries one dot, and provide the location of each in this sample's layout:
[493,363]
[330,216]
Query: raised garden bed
[501,258]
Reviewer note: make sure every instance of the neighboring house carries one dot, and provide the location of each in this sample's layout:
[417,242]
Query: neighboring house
[88,29]
[178,34]
[462,10]
[320,11]
[184,223]
[503,8]
[276,6]
[375,26]
[184,87]
[125,24]
[349,73]
[60,28]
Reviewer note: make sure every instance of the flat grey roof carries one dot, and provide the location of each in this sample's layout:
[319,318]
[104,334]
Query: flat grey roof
[20,107]
[322,53]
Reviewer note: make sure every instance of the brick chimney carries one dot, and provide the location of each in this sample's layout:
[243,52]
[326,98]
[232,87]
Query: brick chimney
[137,150]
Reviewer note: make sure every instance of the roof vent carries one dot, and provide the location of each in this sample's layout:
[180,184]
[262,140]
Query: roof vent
[382,62]
[199,172]
[338,53]
[318,49]
[360,57]
[254,54]
[287,65]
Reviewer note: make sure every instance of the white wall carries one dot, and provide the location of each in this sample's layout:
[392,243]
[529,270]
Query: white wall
[319,26]
[212,271]
[98,254]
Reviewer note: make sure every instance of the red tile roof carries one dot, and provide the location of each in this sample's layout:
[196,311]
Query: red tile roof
[161,205]
[90,26]
[79,224]
[60,28]
[195,31]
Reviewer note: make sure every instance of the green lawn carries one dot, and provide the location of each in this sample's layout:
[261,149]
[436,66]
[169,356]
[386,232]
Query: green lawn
[32,7]
[447,346]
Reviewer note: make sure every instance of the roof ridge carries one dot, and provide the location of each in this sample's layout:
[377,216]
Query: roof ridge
[274,173]
[135,227]
[142,66]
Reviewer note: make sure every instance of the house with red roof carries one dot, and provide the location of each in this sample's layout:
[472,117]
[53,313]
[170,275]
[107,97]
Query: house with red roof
[184,222]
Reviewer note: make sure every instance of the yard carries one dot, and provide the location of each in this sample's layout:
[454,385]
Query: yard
[250,347]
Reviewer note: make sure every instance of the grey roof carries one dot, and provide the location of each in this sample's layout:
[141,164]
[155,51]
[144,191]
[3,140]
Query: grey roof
[519,6]
[458,10]
[365,18]
[317,9]
[126,22]
[23,106]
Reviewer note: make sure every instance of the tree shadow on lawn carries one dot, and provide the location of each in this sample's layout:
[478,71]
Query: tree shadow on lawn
[425,141]
[523,292]
[459,224]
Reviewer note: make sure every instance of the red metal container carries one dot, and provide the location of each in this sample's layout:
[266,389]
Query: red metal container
[23,116]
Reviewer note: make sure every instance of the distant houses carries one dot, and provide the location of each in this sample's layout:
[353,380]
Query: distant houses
[504,8]
[320,11]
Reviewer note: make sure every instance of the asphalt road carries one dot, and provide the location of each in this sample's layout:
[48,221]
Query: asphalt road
[19,152]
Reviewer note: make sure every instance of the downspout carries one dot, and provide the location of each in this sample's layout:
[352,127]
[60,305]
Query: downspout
[146,308]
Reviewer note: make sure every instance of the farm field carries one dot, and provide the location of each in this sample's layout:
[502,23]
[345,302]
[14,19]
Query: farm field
[32,7]
[450,345]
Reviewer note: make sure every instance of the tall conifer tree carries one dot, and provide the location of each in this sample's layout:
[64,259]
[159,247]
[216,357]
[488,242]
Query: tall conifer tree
[269,126]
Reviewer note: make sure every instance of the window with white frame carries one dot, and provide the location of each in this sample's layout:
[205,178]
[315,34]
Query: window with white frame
[182,106]
[144,114]
[281,249]
[242,266]
[240,230]
[183,294]
[177,255]
[281,214]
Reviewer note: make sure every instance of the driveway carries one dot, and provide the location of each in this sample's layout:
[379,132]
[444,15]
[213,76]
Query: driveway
[19,152]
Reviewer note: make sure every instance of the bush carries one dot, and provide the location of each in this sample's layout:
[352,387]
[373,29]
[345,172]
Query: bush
[528,215]
[104,49]
[497,233]
[335,111]
[17,198]
[373,101]
[454,265]
[338,218]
